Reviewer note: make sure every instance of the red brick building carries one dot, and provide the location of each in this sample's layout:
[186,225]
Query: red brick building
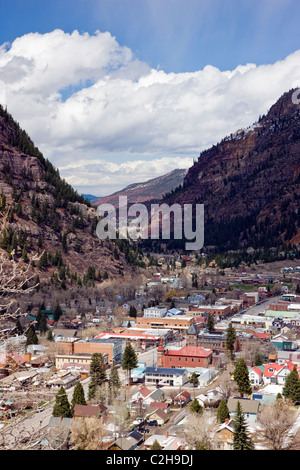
[188,356]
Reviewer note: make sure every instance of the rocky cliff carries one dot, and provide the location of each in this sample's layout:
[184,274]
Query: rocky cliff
[249,183]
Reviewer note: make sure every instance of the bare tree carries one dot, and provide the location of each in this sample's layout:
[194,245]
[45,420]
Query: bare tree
[198,432]
[275,425]
[88,434]
[227,386]
[16,278]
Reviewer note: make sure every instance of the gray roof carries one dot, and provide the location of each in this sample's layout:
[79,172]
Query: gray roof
[248,406]
[164,370]
[192,330]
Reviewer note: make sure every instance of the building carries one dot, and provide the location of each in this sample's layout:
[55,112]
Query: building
[155,312]
[218,312]
[176,322]
[188,356]
[62,361]
[165,376]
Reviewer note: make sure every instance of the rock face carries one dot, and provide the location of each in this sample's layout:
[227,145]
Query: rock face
[249,183]
[41,212]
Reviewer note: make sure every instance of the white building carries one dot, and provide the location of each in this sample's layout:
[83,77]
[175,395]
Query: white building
[155,312]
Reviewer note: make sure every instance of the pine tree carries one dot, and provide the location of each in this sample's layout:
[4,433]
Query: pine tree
[132,311]
[230,340]
[196,407]
[31,336]
[223,411]
[291,387]
[156,445]
[57,312]
[78,397]
[62,406]
[114,381]
[241,438]
[97,374]
[210,323]
[129,360]
[241,376]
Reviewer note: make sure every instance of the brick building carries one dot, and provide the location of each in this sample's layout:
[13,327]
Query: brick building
[188,356]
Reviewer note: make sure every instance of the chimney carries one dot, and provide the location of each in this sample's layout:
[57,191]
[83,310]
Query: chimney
[167,434]
[226,421]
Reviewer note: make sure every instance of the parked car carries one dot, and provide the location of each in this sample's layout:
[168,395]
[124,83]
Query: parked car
[144,430]
[152,423]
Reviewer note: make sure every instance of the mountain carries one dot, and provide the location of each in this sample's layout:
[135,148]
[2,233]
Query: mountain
[155,188]
[41,213]
[90,197]
[249,183]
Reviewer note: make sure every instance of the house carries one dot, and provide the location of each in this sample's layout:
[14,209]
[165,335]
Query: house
[256,375]
[166,442]
[159,415]
[250,408]
[224,436]
[89,411]
[159,405]
[165,376]
[183,398]
[58,436]
[276,373]
[124,443]
[65,380]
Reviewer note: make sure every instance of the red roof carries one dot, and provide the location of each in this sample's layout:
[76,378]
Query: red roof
[190,351]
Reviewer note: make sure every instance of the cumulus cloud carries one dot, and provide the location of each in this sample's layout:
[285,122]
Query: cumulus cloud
[88,103]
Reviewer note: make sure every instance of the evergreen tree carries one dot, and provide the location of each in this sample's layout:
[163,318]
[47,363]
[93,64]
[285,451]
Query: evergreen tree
[230,340]
[194,379]
[78,397]
[223,411]
[241,376]
[114,381]
[196,407]
[210,323]
[57,312]
[97,374]
[50,336]
[43,325]
[19,328]
[62,406]
[129,361]
[291,387]
[241,438]
[132,311]
[31,336]
[156,445]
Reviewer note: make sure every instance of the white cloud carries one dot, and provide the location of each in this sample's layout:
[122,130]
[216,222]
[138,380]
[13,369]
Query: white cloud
[84,97]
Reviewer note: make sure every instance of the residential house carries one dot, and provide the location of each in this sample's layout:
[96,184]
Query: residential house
[166,442]
[65,380]
[160,405]
[256,375]
[89,411]
[250,408]
[159,415]
[165,376]
[224,435]
[183,398]
[124,443]
[276,373]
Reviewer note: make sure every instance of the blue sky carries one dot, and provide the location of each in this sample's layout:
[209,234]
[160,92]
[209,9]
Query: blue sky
[176,35]
[119,91]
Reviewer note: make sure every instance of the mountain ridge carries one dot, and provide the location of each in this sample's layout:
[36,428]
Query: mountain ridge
[249,183]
